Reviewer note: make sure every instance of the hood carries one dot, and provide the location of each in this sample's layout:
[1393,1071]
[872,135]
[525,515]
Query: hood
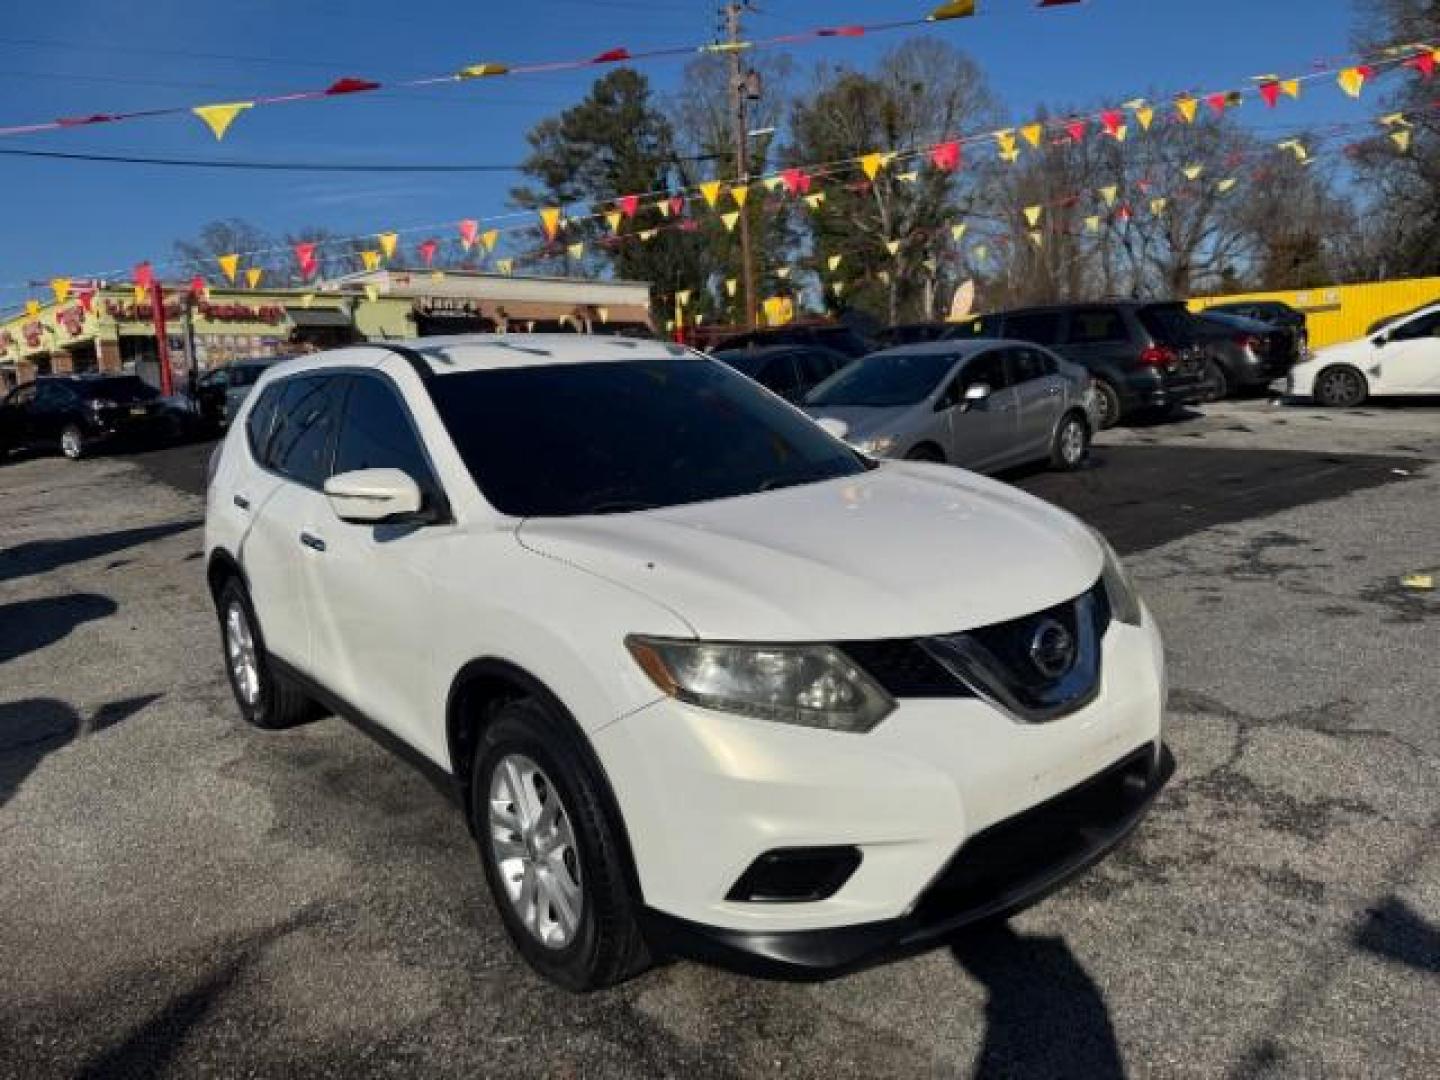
[906,549]
[865,422]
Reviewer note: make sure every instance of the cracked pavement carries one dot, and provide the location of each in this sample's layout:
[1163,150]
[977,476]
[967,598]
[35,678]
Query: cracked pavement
[183,895]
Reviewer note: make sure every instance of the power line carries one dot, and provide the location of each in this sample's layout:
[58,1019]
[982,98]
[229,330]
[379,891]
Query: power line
[263,166]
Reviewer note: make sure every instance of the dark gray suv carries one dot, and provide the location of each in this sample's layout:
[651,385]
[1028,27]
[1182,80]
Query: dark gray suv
[1143,355]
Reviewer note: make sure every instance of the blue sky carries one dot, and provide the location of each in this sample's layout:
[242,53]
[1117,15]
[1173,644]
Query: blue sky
[63,218]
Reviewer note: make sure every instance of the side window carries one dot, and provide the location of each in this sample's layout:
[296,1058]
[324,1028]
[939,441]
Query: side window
[1096,326]
[1041,327]
[988,368]
[817,366]
[1028,364]
[53,396]
[1424,326]
[22,396]
[262,420]
[781,375]
[377,433]
[301,441]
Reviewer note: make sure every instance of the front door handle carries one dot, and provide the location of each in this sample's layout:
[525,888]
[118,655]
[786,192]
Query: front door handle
[313,542]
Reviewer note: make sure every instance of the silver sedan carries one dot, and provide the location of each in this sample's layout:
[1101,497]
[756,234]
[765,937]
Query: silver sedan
[984,404]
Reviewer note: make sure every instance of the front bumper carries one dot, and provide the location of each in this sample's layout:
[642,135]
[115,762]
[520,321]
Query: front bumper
[997,872]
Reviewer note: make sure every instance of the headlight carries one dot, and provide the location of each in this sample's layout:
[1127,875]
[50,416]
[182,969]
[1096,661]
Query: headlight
[1119,589]
[810,685]
[879,446]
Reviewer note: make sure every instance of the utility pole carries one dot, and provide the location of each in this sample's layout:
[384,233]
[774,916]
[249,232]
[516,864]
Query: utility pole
[742,85]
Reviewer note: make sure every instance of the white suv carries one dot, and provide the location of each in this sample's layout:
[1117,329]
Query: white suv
[705,680]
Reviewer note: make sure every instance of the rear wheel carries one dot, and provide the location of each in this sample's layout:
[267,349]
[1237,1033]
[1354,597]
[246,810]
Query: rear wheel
[266,698]
[1217,383]
[72,442]
[1340,387]
[1107,405]
[552,855]
[1071,443]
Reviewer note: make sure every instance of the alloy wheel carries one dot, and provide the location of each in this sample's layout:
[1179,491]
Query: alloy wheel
[533,845]
[241,652]
[71,444]
[1072,442]
[1340,387]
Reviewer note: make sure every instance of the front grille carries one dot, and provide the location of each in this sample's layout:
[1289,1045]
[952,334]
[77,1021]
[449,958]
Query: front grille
[905,669]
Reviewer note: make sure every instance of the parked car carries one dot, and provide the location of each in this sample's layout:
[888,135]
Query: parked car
[1380,324]
[986,405]
[1401,360]
[705,680]
[791,371]
[219,393]
[836,336]
[917,334]
[1144,355]
[79,413]
[1274,312]
[1243,354]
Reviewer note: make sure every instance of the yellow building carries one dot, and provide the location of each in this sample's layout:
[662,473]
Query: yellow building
[1337,313]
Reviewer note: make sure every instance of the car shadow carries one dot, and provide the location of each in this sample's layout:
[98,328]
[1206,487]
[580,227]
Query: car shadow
[1045,1015]
[42,556]
[27,625]
[32,728]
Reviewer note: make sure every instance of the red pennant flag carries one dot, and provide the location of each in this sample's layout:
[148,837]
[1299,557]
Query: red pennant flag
[468,230]
[197,286]
[612,56]
[793,179]
[946,156]
[1270,91]
[841,31]
[1124,213]
[677,205]
[1076,130]
[629,204]
[144,276]
[305,256]
[85,298]
[1113,119]
[350,85]
[77,121]
[1423,62]
[427,249]
[1217,101]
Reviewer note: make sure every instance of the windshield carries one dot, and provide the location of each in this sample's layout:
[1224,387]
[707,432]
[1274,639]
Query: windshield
[596,438]
[884,381]
[123,389]
[1168,324]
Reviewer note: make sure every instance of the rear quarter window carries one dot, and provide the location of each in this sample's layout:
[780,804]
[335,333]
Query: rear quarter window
[1168,324]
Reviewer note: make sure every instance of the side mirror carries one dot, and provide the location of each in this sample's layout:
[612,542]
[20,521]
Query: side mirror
[373,496]
[838,428]
[975,393]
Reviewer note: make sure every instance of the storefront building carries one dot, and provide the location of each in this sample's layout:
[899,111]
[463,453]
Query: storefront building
[102,328]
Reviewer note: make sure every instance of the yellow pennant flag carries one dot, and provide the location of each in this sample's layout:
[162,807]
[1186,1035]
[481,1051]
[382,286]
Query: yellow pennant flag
[253,276]
[1122,131]
[1092,223]
[872,164]
[772,183]
[980,251]
[489,238]
[783,273]
[1296,147]
[957,232]
[387,243]
[907,177]
[892,246]
[1351,80]
[711,191]
[1395,119]
[1010,156]
[550,221]
[1401,139]
[218,118]
[646,235]
[884,276]
[1225,185]
[837,287]
[730,286]
[1146,115]
[834,262]
[505,266]
[953,9]
[60,286]
[613,219]
[1108,193]
[664,207]
[575,251]
[1032,133]
[370,259]
[481,71]
[1037,238]
[1186,107]
[372,293]
[1006,141]
[229,265]
[814,201]
[682,298]
[739,193]
[730,220]
[1157,206]
[1290,87]
[1032,214]
[32,308]
[1192,172]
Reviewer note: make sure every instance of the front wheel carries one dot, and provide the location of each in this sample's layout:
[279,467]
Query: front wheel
[265,697]
[551,853]
[1340,387]
[1071,443]
[72,442]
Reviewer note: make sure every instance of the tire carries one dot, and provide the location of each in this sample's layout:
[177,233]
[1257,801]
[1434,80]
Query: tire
[266,699]
[72,442]
[558,876]
[926,452]
[1110,408]
[1217,382]
[1340,387]
[1071,443]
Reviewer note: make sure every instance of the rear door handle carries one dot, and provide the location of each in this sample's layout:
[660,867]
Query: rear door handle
[313,542]
[242,502]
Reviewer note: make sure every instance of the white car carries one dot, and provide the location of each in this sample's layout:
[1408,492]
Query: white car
[705,680]
[1402,359]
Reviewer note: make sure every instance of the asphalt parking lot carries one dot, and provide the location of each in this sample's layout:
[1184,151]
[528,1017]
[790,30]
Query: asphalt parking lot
[184,895]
